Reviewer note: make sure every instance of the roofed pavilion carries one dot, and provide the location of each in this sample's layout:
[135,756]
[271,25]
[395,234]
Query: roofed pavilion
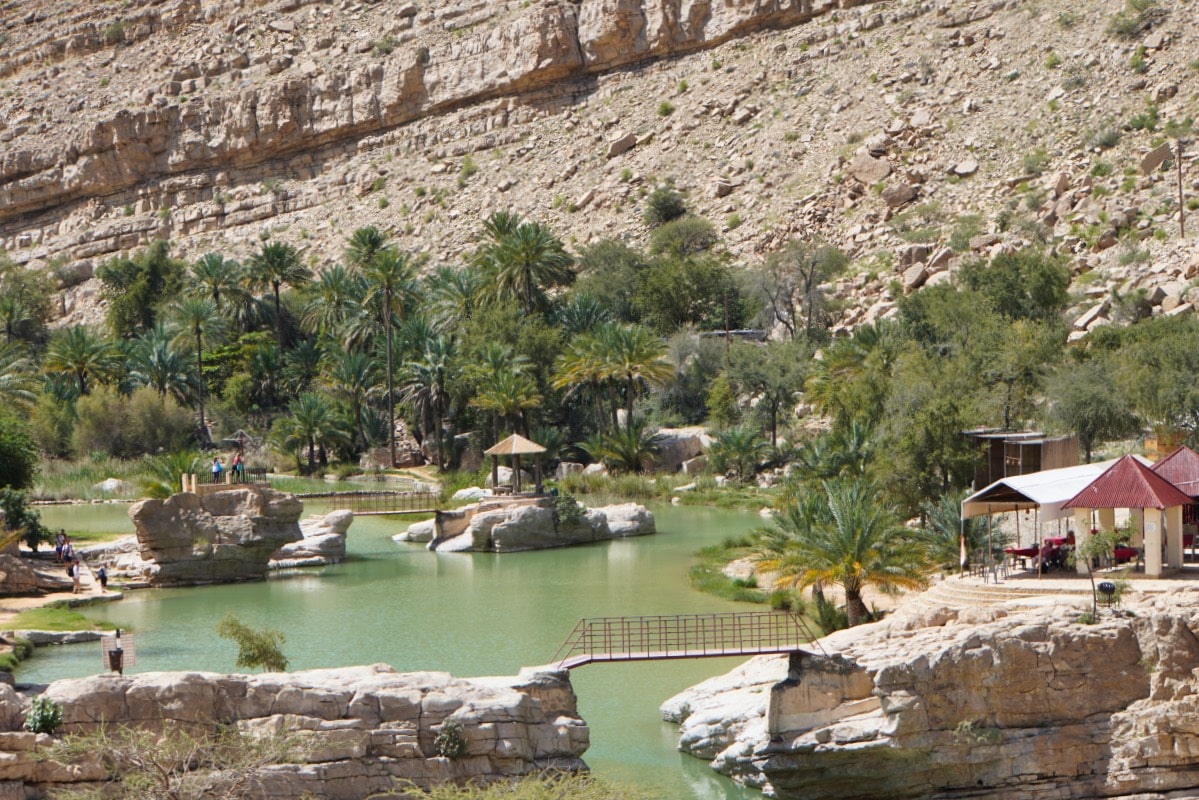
[515,446]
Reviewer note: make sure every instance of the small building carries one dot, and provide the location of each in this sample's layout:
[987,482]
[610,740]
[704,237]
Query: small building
[1006,454]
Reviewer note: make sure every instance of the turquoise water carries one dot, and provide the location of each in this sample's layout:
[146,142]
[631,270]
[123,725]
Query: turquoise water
[468,614]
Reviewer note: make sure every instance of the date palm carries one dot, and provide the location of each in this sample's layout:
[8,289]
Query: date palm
[333,299]
[509,394]
[389,275]
[154,363]
[83,356]
[363,245]
[312,425]
[18,379]
[522,260]
[636,356]
[276,265]
[351,378]
[453,295]
[218,278]
[843,534]
[582,365]
[426,381]
[197,317]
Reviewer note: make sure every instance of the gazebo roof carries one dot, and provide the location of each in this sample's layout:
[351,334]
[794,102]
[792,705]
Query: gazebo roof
[514,445]
[1181,468]
[1129,484]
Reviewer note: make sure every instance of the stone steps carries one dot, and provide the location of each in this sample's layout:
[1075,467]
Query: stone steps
[956,593]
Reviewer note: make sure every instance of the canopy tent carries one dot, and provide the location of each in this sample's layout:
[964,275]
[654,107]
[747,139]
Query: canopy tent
[1048,490]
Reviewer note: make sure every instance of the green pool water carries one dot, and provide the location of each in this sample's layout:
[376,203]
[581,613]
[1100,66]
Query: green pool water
[468,614]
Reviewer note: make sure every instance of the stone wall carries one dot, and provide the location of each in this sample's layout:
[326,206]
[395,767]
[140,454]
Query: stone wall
[1017,704]
[359,730]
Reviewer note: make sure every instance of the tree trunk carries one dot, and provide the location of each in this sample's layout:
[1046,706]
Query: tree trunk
[204,438]
[278,316]
[628,423]
[391,406]
[855,609]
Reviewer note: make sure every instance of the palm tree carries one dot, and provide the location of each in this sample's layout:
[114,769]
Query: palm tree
[389,275]
[508,394]
[946,529]
[164,474]
[219,278]
[18,378]
[352,379]
[629,449]
[740,450]
[82,355]
[275,265]
[637,357]
[197,316]
[582,314]
[362,246]
[335,298]
[154,363]
[425,389]
[15,316]
[311,424]
[843,535]
[452,295]
[522,259]
[582,364]
[302,366]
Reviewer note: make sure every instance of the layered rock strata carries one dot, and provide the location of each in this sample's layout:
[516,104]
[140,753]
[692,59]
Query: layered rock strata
[508,526]
[1017,704]
[324,542]
[357,730]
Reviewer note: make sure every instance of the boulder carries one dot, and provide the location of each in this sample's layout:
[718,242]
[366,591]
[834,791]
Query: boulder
[421,532]
[676,445]
[595,469]
[216,537]
[900,194]
[568,468]
[695,466]
[507,477]
[324,542]
[113,486]
[628,519]
[503,527]
[867,169]
[469,494]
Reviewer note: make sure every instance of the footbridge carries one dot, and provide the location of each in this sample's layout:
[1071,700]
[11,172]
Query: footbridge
[656,638]
[374,504]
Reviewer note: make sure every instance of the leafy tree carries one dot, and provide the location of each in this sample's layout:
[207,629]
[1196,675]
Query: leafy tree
[18,456]
[723,410]
[1081,399]
[682,237]
[274,266]
[20,517]
[699,291]
[136,287]
[1155,367]
[788,282]
[125,427]
[608,271]
[843,535]
[50,424]
[770,374]
[1028,284]
[25,301]
[256,649]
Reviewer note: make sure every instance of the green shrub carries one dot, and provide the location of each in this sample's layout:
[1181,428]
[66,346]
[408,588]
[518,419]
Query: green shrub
[665,108]
[1146,120]
[1137,63]
[45,716]
[1105,138]
[663,205]
[1053,60]
[126,427]
[1034,163]
[568,511]
[684,236]
[114,32]
[450,742]
[384,46]
[255,648]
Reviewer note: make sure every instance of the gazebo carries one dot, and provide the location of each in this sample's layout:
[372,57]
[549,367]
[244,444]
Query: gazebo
[515,446]
[1130,484]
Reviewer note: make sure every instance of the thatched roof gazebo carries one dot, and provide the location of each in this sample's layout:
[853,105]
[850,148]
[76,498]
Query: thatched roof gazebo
[515,446]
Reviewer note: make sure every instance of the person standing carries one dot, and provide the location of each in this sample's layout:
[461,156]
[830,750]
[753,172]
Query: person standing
[76,568]
[102,576]
[216,469]
[237,467]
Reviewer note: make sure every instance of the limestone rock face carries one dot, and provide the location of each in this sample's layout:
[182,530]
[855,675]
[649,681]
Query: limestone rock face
[222,536]
[677,445]
[361,728]
[1028,703]
[324,542]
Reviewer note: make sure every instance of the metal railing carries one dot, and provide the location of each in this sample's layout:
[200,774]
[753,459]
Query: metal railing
[386,502]
[682,636]
[257,475]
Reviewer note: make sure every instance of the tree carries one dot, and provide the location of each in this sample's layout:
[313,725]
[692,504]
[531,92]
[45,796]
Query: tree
[788,285]
[738,450]
[197,316]
[352,379]
[276,265]
[219,278]
[389,274]
[18,516]
[164,474]
[1028,284]
[629,449]
[18,380]
[674,292]
[846,536]
[946,528]
[335,298]
[83,356]
[508,394]
[682,237]
[663,205]
[311,425]
[1081,399]
[426,381]
[363,245]
[18,456]
[255,648]
[154,363]
[770,374]
[135,288]
[522,260]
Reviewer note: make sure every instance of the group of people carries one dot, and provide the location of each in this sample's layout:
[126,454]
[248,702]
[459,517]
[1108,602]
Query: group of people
[237,468]
[64,553]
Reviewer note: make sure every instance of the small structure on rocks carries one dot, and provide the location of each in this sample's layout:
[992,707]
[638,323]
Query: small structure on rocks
[515,446]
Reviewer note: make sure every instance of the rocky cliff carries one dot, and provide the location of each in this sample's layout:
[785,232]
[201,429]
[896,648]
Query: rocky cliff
[1020,704]
[911,133]
[354,731]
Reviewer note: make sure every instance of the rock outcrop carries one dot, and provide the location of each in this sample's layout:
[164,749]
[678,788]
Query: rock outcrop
[1019,704]
[358,730]
[215,537]
[324,542]
[509,526]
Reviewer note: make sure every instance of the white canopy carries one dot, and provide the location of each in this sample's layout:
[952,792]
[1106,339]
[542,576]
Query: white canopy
[1046,490]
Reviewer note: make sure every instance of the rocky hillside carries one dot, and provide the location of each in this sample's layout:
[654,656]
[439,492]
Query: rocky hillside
[908,132]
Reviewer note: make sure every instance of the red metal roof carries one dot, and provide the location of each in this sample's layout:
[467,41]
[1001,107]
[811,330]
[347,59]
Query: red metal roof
[1129,484]
[1181,468]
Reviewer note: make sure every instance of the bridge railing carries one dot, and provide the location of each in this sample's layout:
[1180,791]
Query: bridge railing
[682,636]
[385,502]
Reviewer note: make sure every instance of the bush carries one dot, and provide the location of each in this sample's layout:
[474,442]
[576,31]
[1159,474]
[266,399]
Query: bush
[18,456]
[45,716]
[255,649]
[450,742]
[126,427]
[50,425]
[683,236]
[1034,163]
[19,517]
[663,205]
[567,510]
